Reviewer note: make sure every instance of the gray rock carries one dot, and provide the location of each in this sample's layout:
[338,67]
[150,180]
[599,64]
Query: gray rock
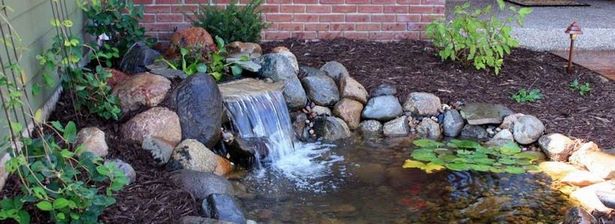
[138,56]
[501,138]
[200,108]
[201,220]
[201,184]
[607,198]
[309,71]
[396,127]
[352,89]
[294,94]
[321,111]
[248,65]
[474,132]
[223,207]
[299,126]
[556,146]
[484,113]
[190,154]
[509,120]
[331,128]
[335,70]
[321,89]
[371,128]
[428,128]
[246,152]
[162,69]
[423,104]
[384,90]
[528,129]
[452,123]
[280,67]
[578,215]
[382,108]
[161,150]
[126,168]
[93,140]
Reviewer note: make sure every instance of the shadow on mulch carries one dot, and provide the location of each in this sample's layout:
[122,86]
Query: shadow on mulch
[413,66]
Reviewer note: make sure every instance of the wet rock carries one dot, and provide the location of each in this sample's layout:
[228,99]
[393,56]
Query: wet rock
[157,122]
[483,113]
[310,71]
[200,108]
[428,128]
[116,78]
[193,38]
[201,184]
[322,111]
[352,89]
[201,220]
[141,90]
[247,65]
[299,126]
[452,123]
[578,215]
[371,128]
[599,163]
[190,154]
[138,56]
[126,168]
[286,53]
[557,170]
[423,104]
[501,138]
[581,178]
[486,207]
[335,70]
[382,108]
[161,150]
[581,151]
[331,128]
[607,198]
[384,90]
[528,129]
[239,49]
[588,199]
[509,120]
[162,69]
[279,67]
[396,127]
[474,132]
[247,151]
[93,140]
[556,146]
[294,94]
[223,207]
[349,111]
[321,89]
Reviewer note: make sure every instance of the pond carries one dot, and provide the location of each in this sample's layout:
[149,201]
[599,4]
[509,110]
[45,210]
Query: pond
[362,181]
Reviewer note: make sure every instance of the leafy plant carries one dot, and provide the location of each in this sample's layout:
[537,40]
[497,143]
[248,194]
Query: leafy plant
[476,36]
[232,23]
[582,89]
[525,96]
[465,155]
[188,63]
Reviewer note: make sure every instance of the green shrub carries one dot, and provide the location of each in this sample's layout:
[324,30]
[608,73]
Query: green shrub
[233,23]
[582,89]
[525,96]
[476,36]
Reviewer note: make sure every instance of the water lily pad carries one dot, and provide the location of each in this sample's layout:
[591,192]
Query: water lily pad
[531,155]
[484,161]
[428,168]
[481,167]
[427,143]
[510,148]
[423,155]
[458,166]
[514,170]
[464,144]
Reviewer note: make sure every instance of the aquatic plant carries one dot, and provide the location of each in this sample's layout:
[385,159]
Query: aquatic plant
[466,155]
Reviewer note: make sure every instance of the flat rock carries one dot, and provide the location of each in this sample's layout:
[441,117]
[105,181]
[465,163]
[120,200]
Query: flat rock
[352,89]
[474,132]
[382,108]
[580,151]
[371,128]
[528,129]
[335,70]
[141,90]
[384,90]
[190,154]
[422,104]
[331,128]
[557,170]
[556,146]
[201,184]
[321,89]
[484,113]
[428,128]
[162,69]
[349,111]
[588,199]
[248,65]
[452,123]
[397,127]
[223,207]
[93,140]
[157,122]
[138,56]
[581,178]
[601,164]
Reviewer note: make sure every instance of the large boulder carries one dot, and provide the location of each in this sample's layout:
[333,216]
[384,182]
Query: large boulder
[484,113]
[223,207]
[190,154]
[286,53]
[199,106]
[93,140]
[321,89]
[528,129]
[600,163]
[335,70]
[352,89]
[588,198]
[383,89]
[428,128]
[193,38]
[556,146]
[350,111]
[452,123]
[201,184]
[382,108]
[141,90]
[116,78]
[331,128]
[157,122]
[278,67]
[137,58]
[397,127]
[423,104]
[371,128]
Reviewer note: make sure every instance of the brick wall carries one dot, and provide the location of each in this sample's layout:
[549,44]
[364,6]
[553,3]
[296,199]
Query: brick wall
[313,19]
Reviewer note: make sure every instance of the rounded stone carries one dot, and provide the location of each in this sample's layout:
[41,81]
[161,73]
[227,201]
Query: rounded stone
[191,154]
[397,127]
[335,70]
[452,123]
[157,122]
[126,168]
[351,88]
[371,128]
[93,140]
[527,129]
[321,89]
[141,90]
[428,128]
[556,146]
[382,108]
[423,104]
[350,111]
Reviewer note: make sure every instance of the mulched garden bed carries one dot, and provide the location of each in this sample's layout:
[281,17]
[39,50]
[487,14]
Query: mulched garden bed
[413,66]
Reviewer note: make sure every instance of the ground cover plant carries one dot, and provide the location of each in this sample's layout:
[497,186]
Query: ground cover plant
[527,96]
[233,22]
[582,88]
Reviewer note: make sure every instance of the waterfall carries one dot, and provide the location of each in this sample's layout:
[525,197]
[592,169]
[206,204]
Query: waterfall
[258,110]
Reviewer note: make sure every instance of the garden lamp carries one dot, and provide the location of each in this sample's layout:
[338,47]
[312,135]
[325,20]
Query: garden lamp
[573,30]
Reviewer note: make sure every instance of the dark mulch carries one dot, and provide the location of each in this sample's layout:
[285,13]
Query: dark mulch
[414,66]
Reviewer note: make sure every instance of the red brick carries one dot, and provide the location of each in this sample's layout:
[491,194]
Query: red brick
[318,9]
[383,18]
[420,9]
[305,18]
[331,18]
[279,17]
[184,8]
[394,26]
[357,18]
[157,27]
[357,1]
[432,2]
[367,27]
[144,1]
[197,1]
[370,8]
[329,35]
[292,8]
[342,27]
[156,9]
[278,2]
[439,9]
[168,1]
[395,9]
[305,1]
[270,8]
[276,35]
[316,27]
[430,18]
[290,26]
[417,26]
[409,2]
[385,2]
[331,1]
[169,18]
[356,35]
[345,8]
[149,18]
[408,18]
[305,35]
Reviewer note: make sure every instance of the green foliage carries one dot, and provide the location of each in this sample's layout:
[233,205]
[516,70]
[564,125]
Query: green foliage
[233,23]
[118,19]
[582,88]
[476,36]
[465,155]
[525,96]
[72,185]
